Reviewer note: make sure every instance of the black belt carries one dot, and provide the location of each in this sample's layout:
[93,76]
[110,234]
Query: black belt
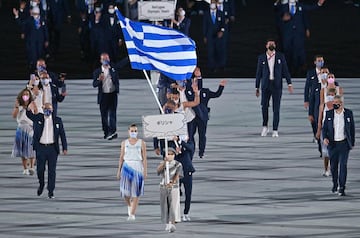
[47,144]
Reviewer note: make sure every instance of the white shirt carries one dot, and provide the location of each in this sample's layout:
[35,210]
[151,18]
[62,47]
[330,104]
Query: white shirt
[292,5]
[271,63]
[22,119]
[38,99]
[47,95]
[107,85]
[47,136]
[189,112]
[133,152]
[339,126]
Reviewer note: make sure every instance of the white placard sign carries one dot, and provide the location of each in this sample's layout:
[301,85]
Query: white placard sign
[156,10]
[164,125]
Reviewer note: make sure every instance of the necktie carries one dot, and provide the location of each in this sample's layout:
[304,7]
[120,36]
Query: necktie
[213,17]
[292,9]
[37,23]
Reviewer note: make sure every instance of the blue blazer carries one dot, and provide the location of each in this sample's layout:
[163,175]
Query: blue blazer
[299,21]
[59,10]
[211,29]
[186,155]
[32,34]
[97,83]
[184,26]
[328,128]
[312,93]
[38,125]
[229,8]
[280,71]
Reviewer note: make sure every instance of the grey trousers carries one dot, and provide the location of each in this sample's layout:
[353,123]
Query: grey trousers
[170,204]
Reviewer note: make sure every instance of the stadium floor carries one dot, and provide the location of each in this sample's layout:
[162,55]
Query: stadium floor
[246,186]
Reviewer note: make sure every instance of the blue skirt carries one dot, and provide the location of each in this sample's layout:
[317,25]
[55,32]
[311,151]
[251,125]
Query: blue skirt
[23,143]
[132,179]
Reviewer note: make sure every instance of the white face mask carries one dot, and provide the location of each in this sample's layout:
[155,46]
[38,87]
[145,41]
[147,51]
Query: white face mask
[213,6]
[33,3]
[45,81]
[133,135]
[182,13]
[330,98]
[111,10]
[324,76]
[36,82]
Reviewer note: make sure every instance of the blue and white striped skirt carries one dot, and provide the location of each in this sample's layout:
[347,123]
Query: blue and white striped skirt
[132,179]
[23,142]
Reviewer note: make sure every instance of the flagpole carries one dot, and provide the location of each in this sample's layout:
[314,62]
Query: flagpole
[158,103]
[153,91]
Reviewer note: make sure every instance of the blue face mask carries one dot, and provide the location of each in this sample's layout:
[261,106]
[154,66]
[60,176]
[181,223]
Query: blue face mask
[319,64]
[41,68]
[105,62]
[47,112]
[183,83]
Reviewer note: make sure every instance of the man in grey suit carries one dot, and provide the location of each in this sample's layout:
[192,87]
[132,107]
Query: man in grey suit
[271,69]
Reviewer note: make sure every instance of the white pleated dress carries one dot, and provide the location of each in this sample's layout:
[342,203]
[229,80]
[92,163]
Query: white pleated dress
[132,171]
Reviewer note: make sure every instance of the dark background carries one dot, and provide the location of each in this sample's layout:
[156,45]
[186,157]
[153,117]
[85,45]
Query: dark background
[335,33]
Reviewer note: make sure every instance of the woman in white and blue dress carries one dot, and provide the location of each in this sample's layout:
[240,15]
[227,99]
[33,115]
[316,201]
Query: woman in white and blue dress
[24,132]
[132,170]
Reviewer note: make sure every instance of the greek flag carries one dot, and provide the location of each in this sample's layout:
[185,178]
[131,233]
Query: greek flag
[159,48]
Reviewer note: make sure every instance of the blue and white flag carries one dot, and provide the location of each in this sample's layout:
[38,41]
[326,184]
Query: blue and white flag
[152,47]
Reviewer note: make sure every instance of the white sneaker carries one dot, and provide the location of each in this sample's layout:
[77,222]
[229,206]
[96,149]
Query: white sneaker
[275,134]
[172,228]
[185,218]
[131,218]
[327,173]
[167,228]
[26,172]
[264,131]
[129,211]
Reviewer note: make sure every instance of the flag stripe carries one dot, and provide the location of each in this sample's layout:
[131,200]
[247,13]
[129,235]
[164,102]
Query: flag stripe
[153,47]
[166,55]
[168,49]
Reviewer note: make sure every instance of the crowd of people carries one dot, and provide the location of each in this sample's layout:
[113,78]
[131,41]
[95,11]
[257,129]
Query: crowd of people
[42,21]
[39,128]
[41,24]
[36,107]
[332,124]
